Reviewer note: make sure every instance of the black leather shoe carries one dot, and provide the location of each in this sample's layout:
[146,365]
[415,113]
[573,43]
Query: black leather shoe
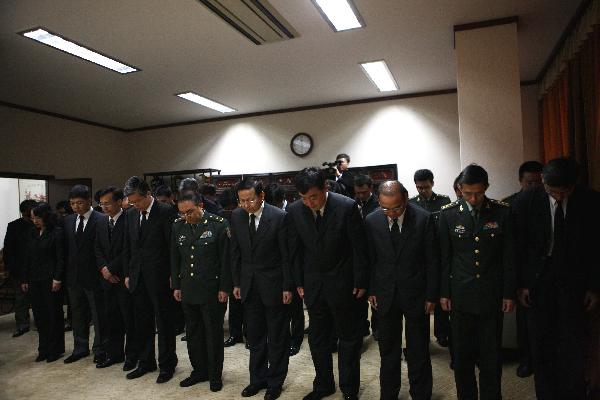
[232,341]
[350,397]
[53,357]
[306,330]
[273,393]
[294,350]
[129,365]
[216,386]
[138,372]
[524,370]
[317,395]
[76,357]
[164,376]
[252,390]
[184,338]
[109,361]
[247,346]
[99,358]
[452,364]
[68,327]
[20,332]
[40,357]
[192,380]
[443,341]
[376,335]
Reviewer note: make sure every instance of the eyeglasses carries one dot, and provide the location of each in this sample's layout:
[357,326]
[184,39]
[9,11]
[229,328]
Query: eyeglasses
[394,210]
[244,202]
[187,213]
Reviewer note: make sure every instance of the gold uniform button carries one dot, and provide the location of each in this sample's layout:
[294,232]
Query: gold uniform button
[192,265]
[192,256]
[192,274]
[477,263]
[492,235]
[477,276]
[192,247]
[476,251]
[477,238]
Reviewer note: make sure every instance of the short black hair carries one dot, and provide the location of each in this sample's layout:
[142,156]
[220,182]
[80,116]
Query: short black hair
[163,190]
[192,196]
[117,194]
[530,166]
[473,174]
[274,194]
[250,183]
[135,184]
[308,178]
[342,155]
[188,184]
[457,182]
[362,180]
[80,192]
[208,189]
[423,175]
[561,172]
[66,205]
[44,211]
[27,205]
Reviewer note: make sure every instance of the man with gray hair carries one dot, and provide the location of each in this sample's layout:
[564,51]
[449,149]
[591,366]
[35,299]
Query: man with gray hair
[404,283]
[147,276]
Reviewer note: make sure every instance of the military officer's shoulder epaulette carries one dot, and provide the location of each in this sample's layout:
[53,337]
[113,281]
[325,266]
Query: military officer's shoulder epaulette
[442,195]
[414,198]
[448,206]
[178,220]
[213,217]
[500,203]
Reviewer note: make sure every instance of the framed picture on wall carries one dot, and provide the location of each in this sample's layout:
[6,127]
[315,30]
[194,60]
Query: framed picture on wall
[33,189]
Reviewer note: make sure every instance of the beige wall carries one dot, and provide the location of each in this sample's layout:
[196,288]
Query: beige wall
[414,133]
[39,144]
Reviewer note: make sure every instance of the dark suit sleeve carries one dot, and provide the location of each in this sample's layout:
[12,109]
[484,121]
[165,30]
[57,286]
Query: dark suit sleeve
[372,258]
[59,249]
[168,224]
[296,253]
[445,256]
[126,247]
[236,257]
[432,261]
[358,241]
[590,259]
[101,261]
[508,260]
[518,215]
[282,239]
[10,247]
[225,283]
[175,261]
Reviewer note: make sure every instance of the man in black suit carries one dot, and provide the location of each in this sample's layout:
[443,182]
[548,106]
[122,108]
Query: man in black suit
[147,276]
[83,278]
[558,273]
[328,252]
[117,305]
[343,177]
[261,279]
[14,254]
[404,283]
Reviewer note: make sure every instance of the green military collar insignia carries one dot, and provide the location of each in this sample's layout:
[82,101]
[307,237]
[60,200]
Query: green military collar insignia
[451,205]
[206,234]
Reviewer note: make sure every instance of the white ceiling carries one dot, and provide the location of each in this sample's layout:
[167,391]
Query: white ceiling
[182,46]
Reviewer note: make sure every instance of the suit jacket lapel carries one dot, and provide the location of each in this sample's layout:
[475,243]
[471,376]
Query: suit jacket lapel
[407,225]
[328,216]
[151,218]
[309,220]
[466,218]
[385,231]
[263,226]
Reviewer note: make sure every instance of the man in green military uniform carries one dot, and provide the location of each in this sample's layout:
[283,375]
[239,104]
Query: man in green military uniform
[201,278]
[478,282]
[433,202]
[530,176]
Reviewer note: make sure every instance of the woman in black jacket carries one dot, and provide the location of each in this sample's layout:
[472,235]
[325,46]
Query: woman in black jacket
[43,276]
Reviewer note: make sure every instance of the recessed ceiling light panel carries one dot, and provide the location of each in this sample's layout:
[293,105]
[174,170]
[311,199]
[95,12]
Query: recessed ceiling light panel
[60,43]
[341,15]
[203,101]
[379,73]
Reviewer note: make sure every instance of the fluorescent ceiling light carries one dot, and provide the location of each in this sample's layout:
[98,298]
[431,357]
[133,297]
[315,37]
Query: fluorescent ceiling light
[203,101]
[67,46]
[380,75]
[341,14]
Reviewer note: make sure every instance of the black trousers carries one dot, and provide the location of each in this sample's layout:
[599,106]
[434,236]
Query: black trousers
[557,320]
[22,302]
[523,335]
[441,323]
[477,337]
[237,328]
[154,310]
[364,316]
[344,320]
[118,314]
[417,350]
[204,332]
[269,340]
[296,317]
[86,304]
[48,314]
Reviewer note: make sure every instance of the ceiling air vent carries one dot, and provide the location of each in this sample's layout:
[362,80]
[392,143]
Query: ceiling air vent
[255,19]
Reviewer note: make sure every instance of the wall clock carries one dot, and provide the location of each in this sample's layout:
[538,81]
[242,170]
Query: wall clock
[301,144]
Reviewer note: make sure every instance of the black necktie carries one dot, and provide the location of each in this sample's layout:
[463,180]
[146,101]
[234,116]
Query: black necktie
[79,233]
[318,219]
[252,227]
[111,228]
[143,222]
[475,214]
[559,231]
[395,232]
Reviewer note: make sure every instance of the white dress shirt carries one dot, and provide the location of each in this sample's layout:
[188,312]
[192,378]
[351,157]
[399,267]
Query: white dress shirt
[86,218]
[257,215]
[400,221]
[147,211]
[553,204]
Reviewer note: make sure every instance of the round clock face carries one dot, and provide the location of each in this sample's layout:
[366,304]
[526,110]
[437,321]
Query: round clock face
[301,144]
